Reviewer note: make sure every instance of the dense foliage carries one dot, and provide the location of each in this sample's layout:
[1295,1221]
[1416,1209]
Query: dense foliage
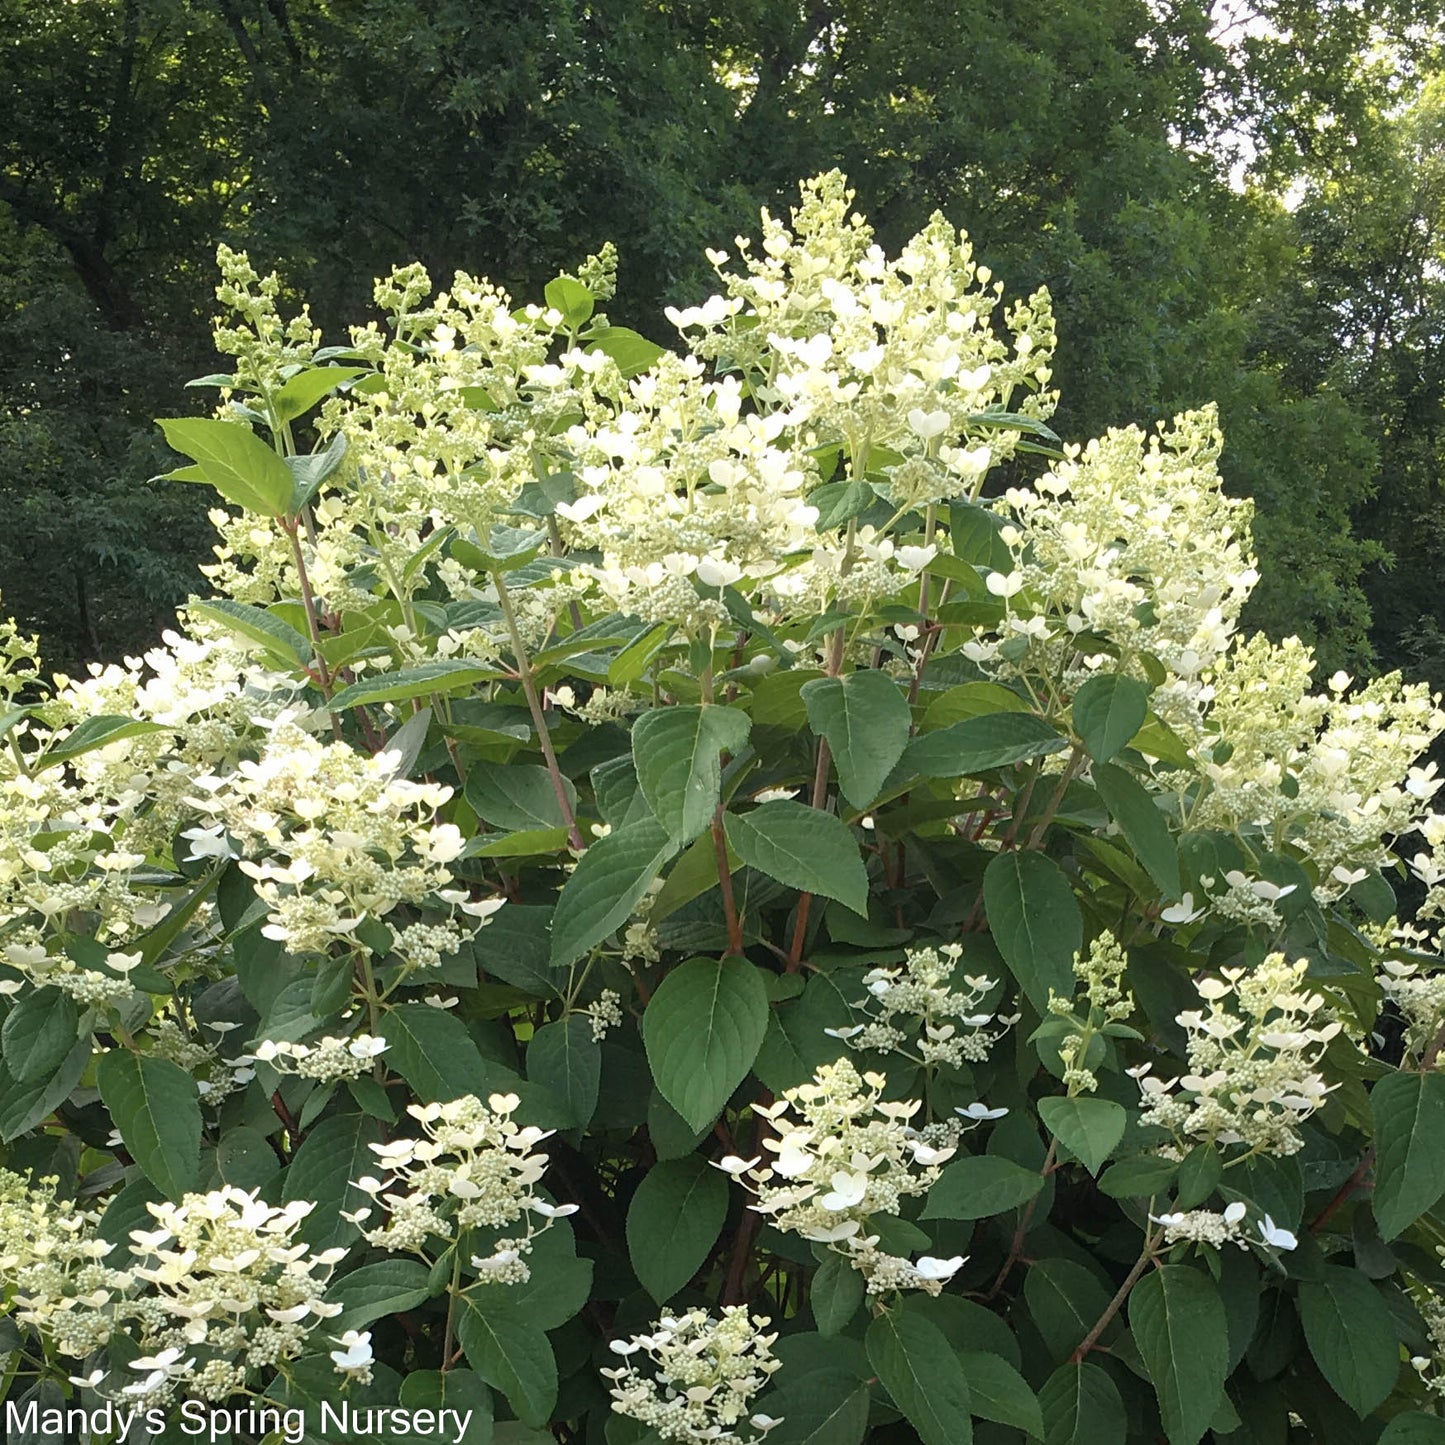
[1087,146]
[644,908]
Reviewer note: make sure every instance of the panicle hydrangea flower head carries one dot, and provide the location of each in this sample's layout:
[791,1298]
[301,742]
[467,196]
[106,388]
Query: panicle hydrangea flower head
[475,1168]
[694,1377]
[915,1010]
[843,1153]
[1253,1057]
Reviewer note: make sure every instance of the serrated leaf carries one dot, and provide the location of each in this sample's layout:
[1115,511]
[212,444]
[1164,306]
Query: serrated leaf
[835,1294]
[411,682]
[461,1391]
[95,733]
[677,754]
[302,391]
[999,1393]
[980,1185]
[510,1354]
[517,796]
[565,1058]
[1409,1114]
[703,1028]
[1351,1335]
[604,888]
[822,1407]
[256,624]
[804,848]
[155,1106]
[333,1154]
[673,1222]
[385,1288]
[978,744]
[23,1104]
[920,1370]
[1081,1406]
[571,298]
[234,460]
[38,1033]
[1141,1177]
[1179,1325]
[1108,711]
[632,352]
[1035,921]
[1132,807]
[866,720]
[433,1052]
[1089,1128]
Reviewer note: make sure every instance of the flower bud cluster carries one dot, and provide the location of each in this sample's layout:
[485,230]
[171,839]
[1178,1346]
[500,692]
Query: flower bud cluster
[327,1062]
[697,1376]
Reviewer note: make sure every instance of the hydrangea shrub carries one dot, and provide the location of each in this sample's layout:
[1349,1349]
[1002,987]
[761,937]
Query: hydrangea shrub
[736,892]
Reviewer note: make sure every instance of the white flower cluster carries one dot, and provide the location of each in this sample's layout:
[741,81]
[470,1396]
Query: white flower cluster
[1253,1068]
[1331,773]
[945,1025]
[848,1154]
[1205,1226]
[327,1062]
[1420,998]
[700,1378]
[474,1170]
[604,1014]
[331,836]
[220,1289]
[1130,548]
[838,349]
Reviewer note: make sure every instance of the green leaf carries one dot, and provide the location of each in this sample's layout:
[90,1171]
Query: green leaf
[835,1293]
[430,677]
[1035,921]
[1352,1336]
[820,1407]
[234,460]
[866,720]
[1409,1114]
[23,1104]
[302,391]
[603,890]
[1090,1129]
[1179,1325]
[1140,1177]
[1133,808]
[571,298]
[459,1390]
[1081,1406]
[156,1108]
[1064,1300]
[796,1043]
[676,751]
[94,733]
[1108,711]
[39,1031]
[517,796]
[565,1058]
[433,1052]
[509,1353]
[998,1392]
[334,1153]
[385,1288]
[980,1185]
[921,1372]
[673,1222]
[977,744]
[275,637]
[1413,1428]
[703,1028]
[632,352]
[804,848]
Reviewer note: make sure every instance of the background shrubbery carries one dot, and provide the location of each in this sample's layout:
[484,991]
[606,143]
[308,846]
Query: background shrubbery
[730,892]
